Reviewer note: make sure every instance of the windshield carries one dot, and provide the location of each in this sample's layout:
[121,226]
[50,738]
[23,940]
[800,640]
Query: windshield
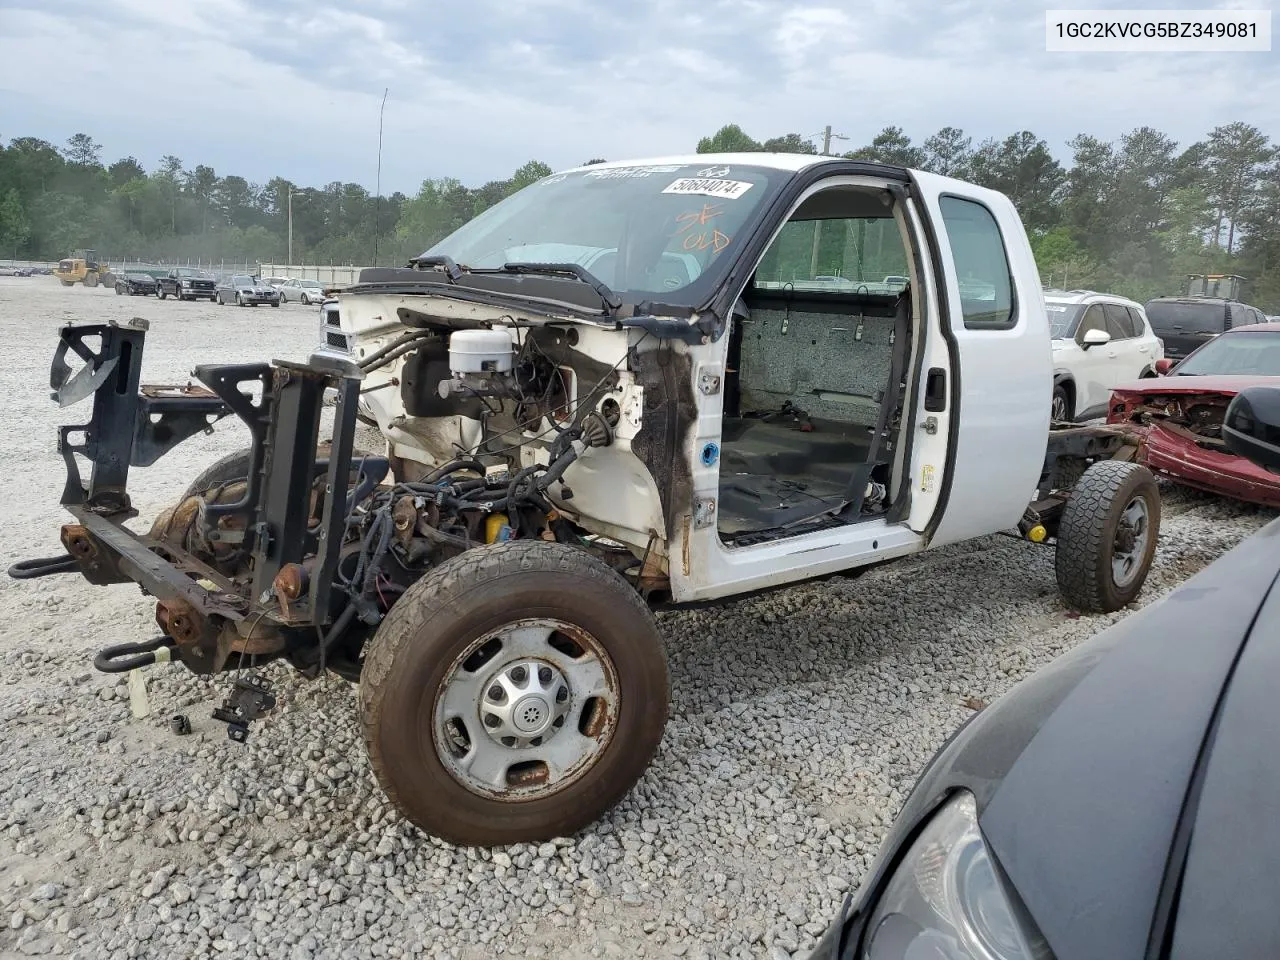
[1173,316]
[191,272]
[1255,353]
[1063,318]
[641,230]
[242,281]
[309,283]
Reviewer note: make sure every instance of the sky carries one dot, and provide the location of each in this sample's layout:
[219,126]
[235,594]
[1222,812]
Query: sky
[292,88]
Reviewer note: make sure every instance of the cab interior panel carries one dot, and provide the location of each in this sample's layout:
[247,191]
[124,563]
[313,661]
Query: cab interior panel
[811,366]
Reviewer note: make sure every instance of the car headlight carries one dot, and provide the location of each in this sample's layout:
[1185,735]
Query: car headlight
[947,900]
[186,283]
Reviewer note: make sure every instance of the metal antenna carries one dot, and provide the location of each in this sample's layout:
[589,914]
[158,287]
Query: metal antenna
[377,199]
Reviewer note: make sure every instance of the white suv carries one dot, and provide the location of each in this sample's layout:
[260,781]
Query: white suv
[1099,342]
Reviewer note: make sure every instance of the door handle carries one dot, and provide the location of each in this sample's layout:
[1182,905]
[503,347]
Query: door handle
[935,390]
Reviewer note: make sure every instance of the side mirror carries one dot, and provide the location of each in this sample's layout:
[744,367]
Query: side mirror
[1251,428]
[1164,366]
[1095,338]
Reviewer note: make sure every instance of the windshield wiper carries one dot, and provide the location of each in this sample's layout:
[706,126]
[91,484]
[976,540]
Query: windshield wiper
[451,269]
[610,298]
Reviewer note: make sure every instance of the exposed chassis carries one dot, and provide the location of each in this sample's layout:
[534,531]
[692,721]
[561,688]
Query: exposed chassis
[204,615]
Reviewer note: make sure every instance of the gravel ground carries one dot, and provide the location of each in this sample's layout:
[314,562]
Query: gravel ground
[798,724]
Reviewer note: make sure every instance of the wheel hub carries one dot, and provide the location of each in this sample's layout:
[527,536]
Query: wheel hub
[525,703]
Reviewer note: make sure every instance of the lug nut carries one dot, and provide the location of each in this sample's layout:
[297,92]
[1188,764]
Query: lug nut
[495,693]
[519,675]
[544,674]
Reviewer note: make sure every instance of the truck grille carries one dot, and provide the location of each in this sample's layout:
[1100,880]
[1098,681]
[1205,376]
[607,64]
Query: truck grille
[335,339]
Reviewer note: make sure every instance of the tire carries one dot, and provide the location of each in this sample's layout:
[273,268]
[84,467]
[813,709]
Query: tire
[275,303]
[1096,526]
[235,466]
[239,301]
[435,626]
[161,293]
[66,283]
[120,291]
[1061,409]
[109,279]
[90,279]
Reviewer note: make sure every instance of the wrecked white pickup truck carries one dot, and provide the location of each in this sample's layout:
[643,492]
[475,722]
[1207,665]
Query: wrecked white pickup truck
[627,385]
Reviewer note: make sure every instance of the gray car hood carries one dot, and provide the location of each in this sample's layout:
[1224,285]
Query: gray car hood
[1084,816]
[1082,770]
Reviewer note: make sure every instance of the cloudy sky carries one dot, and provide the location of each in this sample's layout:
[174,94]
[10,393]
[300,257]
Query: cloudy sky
[292,87]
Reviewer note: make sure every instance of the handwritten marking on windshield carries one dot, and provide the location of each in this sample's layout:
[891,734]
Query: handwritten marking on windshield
[700,240]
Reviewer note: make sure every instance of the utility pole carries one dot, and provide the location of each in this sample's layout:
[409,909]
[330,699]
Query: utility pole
[377,190]
[291,226]
[827,137]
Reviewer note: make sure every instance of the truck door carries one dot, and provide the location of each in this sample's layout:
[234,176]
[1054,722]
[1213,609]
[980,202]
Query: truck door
[1001,376]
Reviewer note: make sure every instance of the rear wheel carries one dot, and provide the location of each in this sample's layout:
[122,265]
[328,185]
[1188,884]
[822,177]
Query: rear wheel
[239,300]
[1107,536]
[513,694]
[90,279]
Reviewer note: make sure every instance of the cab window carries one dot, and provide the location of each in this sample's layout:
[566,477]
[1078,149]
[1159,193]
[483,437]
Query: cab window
[981,264]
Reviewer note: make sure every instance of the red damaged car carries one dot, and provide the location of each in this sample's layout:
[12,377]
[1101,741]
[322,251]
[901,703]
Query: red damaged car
[1179,413]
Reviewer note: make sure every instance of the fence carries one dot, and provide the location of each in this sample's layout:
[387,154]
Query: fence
[328,275]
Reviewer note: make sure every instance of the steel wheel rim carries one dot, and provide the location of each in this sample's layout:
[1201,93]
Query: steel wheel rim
[1130,546]
[501,726]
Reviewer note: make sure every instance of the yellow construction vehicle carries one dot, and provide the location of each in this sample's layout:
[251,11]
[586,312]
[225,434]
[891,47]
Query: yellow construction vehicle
[84,267]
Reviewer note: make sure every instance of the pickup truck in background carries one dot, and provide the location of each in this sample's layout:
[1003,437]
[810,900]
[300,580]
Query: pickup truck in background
[187,283]
[567,448]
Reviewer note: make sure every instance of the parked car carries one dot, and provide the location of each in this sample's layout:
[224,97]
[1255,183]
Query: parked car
[1125,795]
[303,291]
[1184,323]
[276,282]
[1180,414]
[133,284]
[1123,802]
[245,291]
[187,283]
[1099,341]
[678,437]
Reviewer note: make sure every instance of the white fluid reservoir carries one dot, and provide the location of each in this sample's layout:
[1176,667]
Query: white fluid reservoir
[481,351]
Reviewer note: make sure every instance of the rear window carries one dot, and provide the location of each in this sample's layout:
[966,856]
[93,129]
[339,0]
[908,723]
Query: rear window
[1171,316]
[1253,353]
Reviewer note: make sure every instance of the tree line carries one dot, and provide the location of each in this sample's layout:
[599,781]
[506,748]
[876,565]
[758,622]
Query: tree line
[1133,216]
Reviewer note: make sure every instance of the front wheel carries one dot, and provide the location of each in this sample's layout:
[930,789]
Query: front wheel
[161,293]
[1061,407]
[513,694]
[1107,536]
